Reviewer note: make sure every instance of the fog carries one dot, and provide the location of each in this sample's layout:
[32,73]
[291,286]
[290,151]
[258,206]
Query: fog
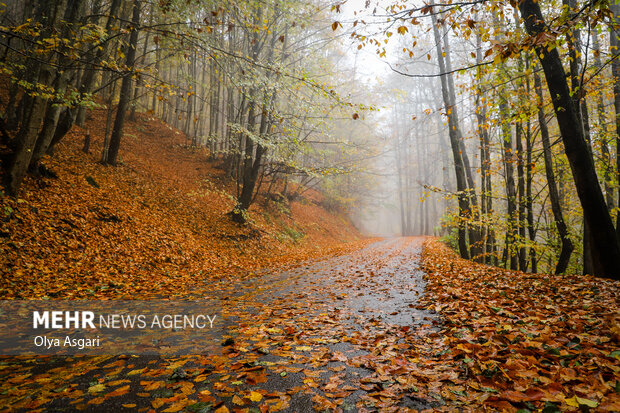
[412,178]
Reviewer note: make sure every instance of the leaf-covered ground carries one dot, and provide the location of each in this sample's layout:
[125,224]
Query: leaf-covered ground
[153,226]
[526,341]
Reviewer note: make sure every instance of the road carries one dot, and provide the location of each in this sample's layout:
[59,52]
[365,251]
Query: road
[341,334]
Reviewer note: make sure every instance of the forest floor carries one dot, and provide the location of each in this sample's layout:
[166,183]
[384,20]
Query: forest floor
[154,226]
[317,317]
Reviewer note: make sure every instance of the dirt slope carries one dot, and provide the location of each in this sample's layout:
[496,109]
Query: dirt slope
[153,226]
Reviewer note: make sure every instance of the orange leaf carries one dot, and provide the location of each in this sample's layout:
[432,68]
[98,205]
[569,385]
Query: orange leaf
[118,392]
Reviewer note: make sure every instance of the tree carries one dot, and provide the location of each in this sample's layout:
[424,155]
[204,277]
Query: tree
[556,207]
[40,76]
[615,70]
[464,186]
[606,249]
[110,156]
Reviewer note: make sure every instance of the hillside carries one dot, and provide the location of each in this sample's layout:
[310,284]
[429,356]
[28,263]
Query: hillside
[156,225]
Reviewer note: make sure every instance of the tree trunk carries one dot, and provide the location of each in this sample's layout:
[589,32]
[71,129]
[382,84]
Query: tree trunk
[614,46]
[48,13]
[26,139]
[50,122]
[510,251]
[455,137]
[486,201]
[529,144]
[474,233]
[522,254]
[137,91]
[54,107]
[250,169]
[566,244]
[88,79]
[600,109]
[590,264]
[125,93]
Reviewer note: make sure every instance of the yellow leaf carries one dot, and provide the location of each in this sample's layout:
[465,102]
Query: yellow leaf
[134,372]
[572,401]
[129,405]
[587,402]
[222,409]
[256,396]
[96,388]
[277,406]
[117,382]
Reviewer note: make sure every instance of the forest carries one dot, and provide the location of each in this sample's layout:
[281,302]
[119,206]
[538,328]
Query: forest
[397,205]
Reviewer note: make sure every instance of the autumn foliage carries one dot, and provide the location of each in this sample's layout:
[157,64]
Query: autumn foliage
[154,226]
[525,340]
